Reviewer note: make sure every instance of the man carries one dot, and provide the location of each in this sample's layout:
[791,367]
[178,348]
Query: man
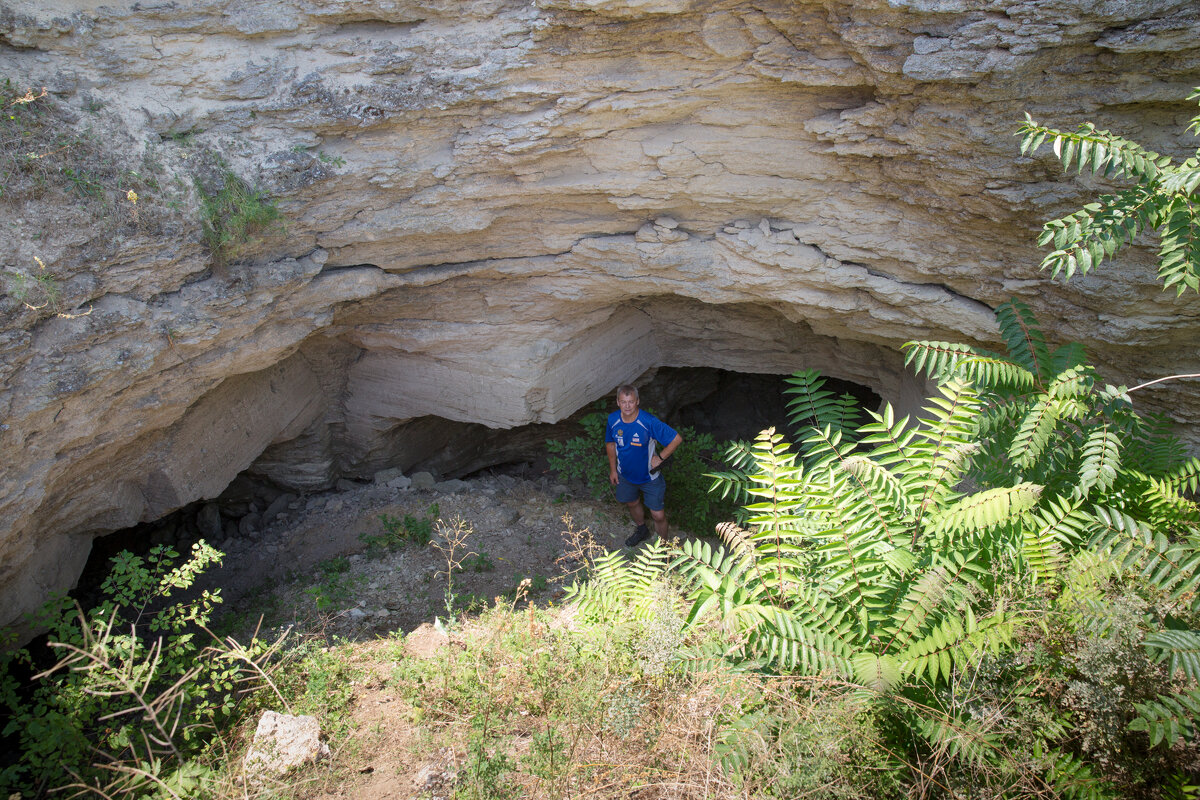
[631,439]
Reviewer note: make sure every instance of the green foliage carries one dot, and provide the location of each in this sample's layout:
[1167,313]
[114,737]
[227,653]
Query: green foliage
[398,532]
[336,586]
[1169,718]
[1047,419]
[901,558]
[335,161]
[862,557]
[477,562]
[1162,199]
[117,696]
[235,215]
[618,587]
[582,458]
[689,504]
[319,680]
[1117,505]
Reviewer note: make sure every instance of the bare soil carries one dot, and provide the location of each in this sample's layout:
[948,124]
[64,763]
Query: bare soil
[313,566]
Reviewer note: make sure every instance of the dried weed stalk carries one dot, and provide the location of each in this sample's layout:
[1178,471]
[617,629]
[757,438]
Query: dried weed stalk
[451,541]
[580,550]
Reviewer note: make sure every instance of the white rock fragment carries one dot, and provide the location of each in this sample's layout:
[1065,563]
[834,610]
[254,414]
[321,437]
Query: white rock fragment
[646,233]
[282,742]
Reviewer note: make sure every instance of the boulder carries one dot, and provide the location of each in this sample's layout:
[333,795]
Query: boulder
[282,742]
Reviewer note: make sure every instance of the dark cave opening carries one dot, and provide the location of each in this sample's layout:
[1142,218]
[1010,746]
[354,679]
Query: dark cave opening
[734,405]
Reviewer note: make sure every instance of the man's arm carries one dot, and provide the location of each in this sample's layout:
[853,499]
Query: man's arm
[611,447]
[666,452]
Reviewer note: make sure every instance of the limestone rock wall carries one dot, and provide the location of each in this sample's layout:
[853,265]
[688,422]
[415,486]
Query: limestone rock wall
[498,209]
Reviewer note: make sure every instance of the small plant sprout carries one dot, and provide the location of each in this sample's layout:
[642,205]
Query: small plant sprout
[451,541]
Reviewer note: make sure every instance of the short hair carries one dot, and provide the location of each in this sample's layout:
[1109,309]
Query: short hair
[626,389]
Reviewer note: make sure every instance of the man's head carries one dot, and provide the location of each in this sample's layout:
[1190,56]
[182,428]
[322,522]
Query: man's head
[627,399]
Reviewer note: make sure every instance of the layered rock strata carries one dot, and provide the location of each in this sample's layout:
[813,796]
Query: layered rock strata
[497,210]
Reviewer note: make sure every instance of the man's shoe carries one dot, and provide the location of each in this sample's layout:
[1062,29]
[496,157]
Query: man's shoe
[640,535]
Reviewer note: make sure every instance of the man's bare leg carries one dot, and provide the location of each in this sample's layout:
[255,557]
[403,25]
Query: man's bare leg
[660,522]
[637,512]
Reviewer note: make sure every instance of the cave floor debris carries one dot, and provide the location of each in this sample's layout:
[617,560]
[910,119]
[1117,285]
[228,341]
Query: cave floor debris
[327,566]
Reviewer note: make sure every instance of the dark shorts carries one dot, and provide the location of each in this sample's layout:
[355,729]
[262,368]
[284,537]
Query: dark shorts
[653,493]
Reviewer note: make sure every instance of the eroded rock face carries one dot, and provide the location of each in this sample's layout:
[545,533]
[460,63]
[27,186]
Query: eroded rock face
[497,210]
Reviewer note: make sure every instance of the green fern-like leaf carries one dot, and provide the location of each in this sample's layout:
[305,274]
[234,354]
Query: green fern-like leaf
[942,448]
[1179,247]
[1169,718]
[730,585]
[813,404]
[1181,647]
[963,738]
[1101,461]
[1068,356]
[1025,340]
[1035,432]
[1179,786]
[880,673]
[1163,198]
[811,637]
[1172,567]
[986,509]
[1098,150]
[619,589]
[955,643]
[735,482]
[1070,777]
[1184,477]
[1084,239]
[1045,545]
[942,361]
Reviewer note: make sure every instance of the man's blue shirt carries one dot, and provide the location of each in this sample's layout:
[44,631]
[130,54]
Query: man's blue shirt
[636,443]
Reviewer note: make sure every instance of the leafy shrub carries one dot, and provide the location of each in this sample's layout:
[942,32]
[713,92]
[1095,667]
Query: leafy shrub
[1047,418]
[863,557]
[397,532]
[689,504]
[119,699]
[581,459]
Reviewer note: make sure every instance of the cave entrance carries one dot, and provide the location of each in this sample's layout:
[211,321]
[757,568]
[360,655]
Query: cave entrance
[733,405]
[727,404]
